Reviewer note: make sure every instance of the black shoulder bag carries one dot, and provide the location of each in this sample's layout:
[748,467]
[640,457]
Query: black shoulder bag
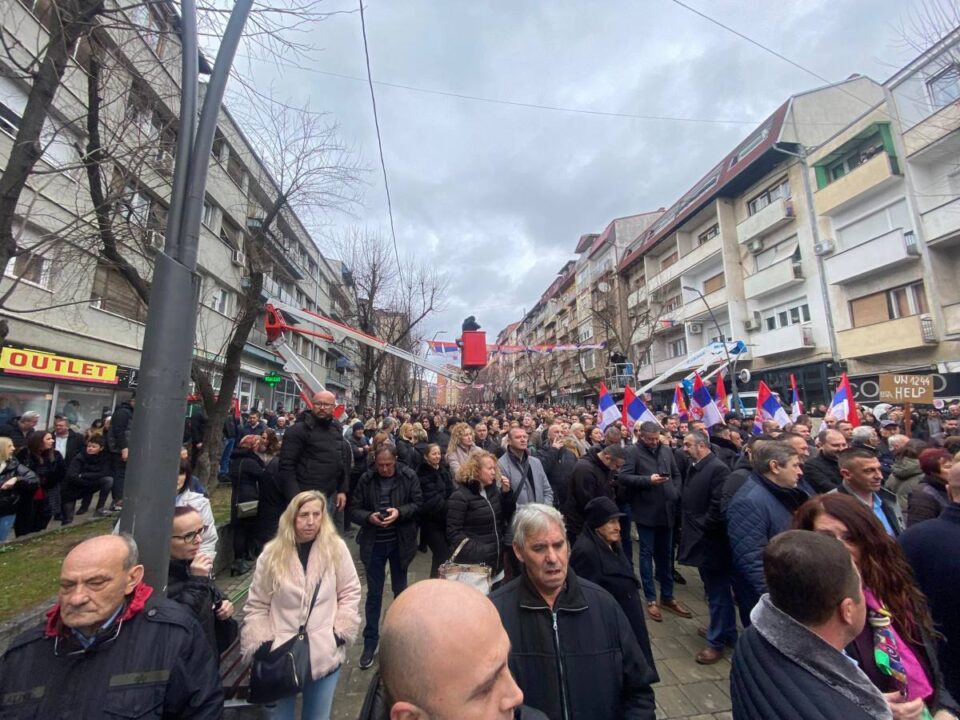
[284,671]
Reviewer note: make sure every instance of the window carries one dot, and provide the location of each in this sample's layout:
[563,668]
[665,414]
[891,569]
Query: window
[708,234]
[586,332]
[31,268]
[864,151]
[898,302]
[209,214]
[13,100]
[113,293]
[669,260]
[749,146]
[235,169]
[874,225]
[771,194]
[230,234]
[781,251]
[677,348]
[589,360]
[219,146]
[792,313]
[944,88]
[712,284]
[220,299]
[671,304]
[59,147]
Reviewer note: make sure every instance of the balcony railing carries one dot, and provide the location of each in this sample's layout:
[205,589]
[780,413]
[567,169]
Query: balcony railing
[867,179]
[779,275]
[893,249]
[782,340]
[889,336]
[775,215]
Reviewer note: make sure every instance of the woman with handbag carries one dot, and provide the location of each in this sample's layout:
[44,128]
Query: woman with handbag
[17,484]
[478,512]
[436,484]
[302,609]
[47,463]
[246,475]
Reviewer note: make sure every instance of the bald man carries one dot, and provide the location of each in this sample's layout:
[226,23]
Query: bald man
[110,645]
[315,455]
[431,673]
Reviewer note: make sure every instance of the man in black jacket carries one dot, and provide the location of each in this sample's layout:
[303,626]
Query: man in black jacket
[118,437]
[112,646]
[863,479]
[558,462]
[652,482]
[18,429]
[385,505]
[67,442]
[822,470]
[315,455]
[704,545]
[572,650]
[593,476]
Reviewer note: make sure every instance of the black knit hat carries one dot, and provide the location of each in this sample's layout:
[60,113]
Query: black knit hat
[600,510]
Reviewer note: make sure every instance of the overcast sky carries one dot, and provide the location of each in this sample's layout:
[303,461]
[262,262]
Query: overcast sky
[497,194]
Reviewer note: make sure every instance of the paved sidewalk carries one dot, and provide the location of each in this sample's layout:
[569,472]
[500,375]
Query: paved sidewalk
[686,689]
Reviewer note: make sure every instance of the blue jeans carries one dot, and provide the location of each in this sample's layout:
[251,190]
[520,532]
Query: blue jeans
[656,549]
[6,522]
[228,444]
[723,619]
[383,552]
[317,701]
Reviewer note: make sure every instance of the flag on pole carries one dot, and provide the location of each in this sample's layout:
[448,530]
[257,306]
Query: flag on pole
[796,406]
[769,408]
[722,404]
[702,406]
[843,406]
[607,412]
[679,407]
[635,410]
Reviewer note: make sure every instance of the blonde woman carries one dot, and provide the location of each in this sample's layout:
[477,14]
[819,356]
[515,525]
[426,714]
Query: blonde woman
[406,437]
[579,433]
[17,484]
[479,511]
[461,446]
[306,552]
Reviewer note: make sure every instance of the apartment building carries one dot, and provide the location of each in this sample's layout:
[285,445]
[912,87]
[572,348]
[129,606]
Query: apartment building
[76,348]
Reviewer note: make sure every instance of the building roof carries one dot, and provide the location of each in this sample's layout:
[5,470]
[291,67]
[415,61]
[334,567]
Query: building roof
[715,183]
[585,242]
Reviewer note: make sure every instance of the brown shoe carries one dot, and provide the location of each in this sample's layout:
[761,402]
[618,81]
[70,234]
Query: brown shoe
[702,632]
[677,607]
[653,610]
[709,656]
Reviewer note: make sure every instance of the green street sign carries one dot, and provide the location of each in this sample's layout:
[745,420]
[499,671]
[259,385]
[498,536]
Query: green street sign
[272,379]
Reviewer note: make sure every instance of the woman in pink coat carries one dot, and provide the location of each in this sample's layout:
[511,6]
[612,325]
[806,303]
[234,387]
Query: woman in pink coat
[306,550]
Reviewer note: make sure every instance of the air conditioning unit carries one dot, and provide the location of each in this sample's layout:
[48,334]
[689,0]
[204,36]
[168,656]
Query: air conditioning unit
[754,323]
[755,246]
[824,247]
[695,328]
[238,258]
[155,240]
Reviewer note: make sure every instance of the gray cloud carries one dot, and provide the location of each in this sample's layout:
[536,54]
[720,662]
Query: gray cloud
[498,195]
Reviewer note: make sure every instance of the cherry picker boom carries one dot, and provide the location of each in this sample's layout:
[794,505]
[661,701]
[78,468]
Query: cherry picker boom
[282,317]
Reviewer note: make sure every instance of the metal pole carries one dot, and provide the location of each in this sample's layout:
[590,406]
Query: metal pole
[171,321]
[734,392]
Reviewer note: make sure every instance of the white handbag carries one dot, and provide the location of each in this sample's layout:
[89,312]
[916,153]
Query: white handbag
[476,575]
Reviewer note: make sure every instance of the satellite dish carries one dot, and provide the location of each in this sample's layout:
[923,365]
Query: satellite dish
[744,376]
[603,287]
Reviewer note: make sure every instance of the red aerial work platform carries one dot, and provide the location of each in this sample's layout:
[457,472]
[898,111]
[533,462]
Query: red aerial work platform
[474,350]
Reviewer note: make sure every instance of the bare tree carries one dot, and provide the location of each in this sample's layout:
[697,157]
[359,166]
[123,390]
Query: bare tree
[391,303]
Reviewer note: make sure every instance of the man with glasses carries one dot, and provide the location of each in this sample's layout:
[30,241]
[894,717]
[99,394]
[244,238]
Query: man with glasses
[189,581]
[111,646]
[315,455]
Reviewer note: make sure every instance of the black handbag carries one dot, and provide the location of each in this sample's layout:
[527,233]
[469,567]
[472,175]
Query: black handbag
[283,671]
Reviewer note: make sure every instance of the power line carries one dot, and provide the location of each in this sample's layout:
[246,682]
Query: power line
[376,123]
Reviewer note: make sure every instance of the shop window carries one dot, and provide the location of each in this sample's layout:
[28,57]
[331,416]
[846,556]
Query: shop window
[82,405]
[31,268]
[17,396]
[113,293]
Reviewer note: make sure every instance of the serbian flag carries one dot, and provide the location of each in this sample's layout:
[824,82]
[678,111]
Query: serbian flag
[796,406]
[339,410]
[769,408]
[702,406]
[679,407]
[607,412]
[843,406]
[721,395]
[635,411]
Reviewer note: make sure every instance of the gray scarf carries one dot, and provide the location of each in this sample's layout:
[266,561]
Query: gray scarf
[816,656]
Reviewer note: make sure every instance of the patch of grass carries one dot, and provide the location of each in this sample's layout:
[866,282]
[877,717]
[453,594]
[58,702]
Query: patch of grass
[29,570]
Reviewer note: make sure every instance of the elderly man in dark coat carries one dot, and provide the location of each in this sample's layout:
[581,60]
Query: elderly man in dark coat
[704,545]
[598,557]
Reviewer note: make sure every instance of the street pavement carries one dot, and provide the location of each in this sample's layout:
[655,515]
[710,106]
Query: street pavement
[686,690]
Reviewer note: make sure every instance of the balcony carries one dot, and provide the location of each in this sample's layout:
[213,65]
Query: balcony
[907,333]
[874,175]
[666,275]
[886,252]
[634,298]
[773,216]
[689,261]
[695,308]
[783,340]
[661,366]
[781,274]
[951,318]
[942,222]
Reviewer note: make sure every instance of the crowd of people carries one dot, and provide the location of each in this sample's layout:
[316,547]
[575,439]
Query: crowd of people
[826,541]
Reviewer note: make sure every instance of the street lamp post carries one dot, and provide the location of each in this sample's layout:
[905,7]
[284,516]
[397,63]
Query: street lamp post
[174,301]
[734,392]
[422,370]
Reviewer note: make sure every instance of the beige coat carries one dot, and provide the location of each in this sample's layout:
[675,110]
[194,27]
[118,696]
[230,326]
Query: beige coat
[459,457]
[275,616]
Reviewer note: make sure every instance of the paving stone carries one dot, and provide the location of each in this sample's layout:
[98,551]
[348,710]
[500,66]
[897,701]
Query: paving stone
[675,703]
[707,696]
[688,670]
